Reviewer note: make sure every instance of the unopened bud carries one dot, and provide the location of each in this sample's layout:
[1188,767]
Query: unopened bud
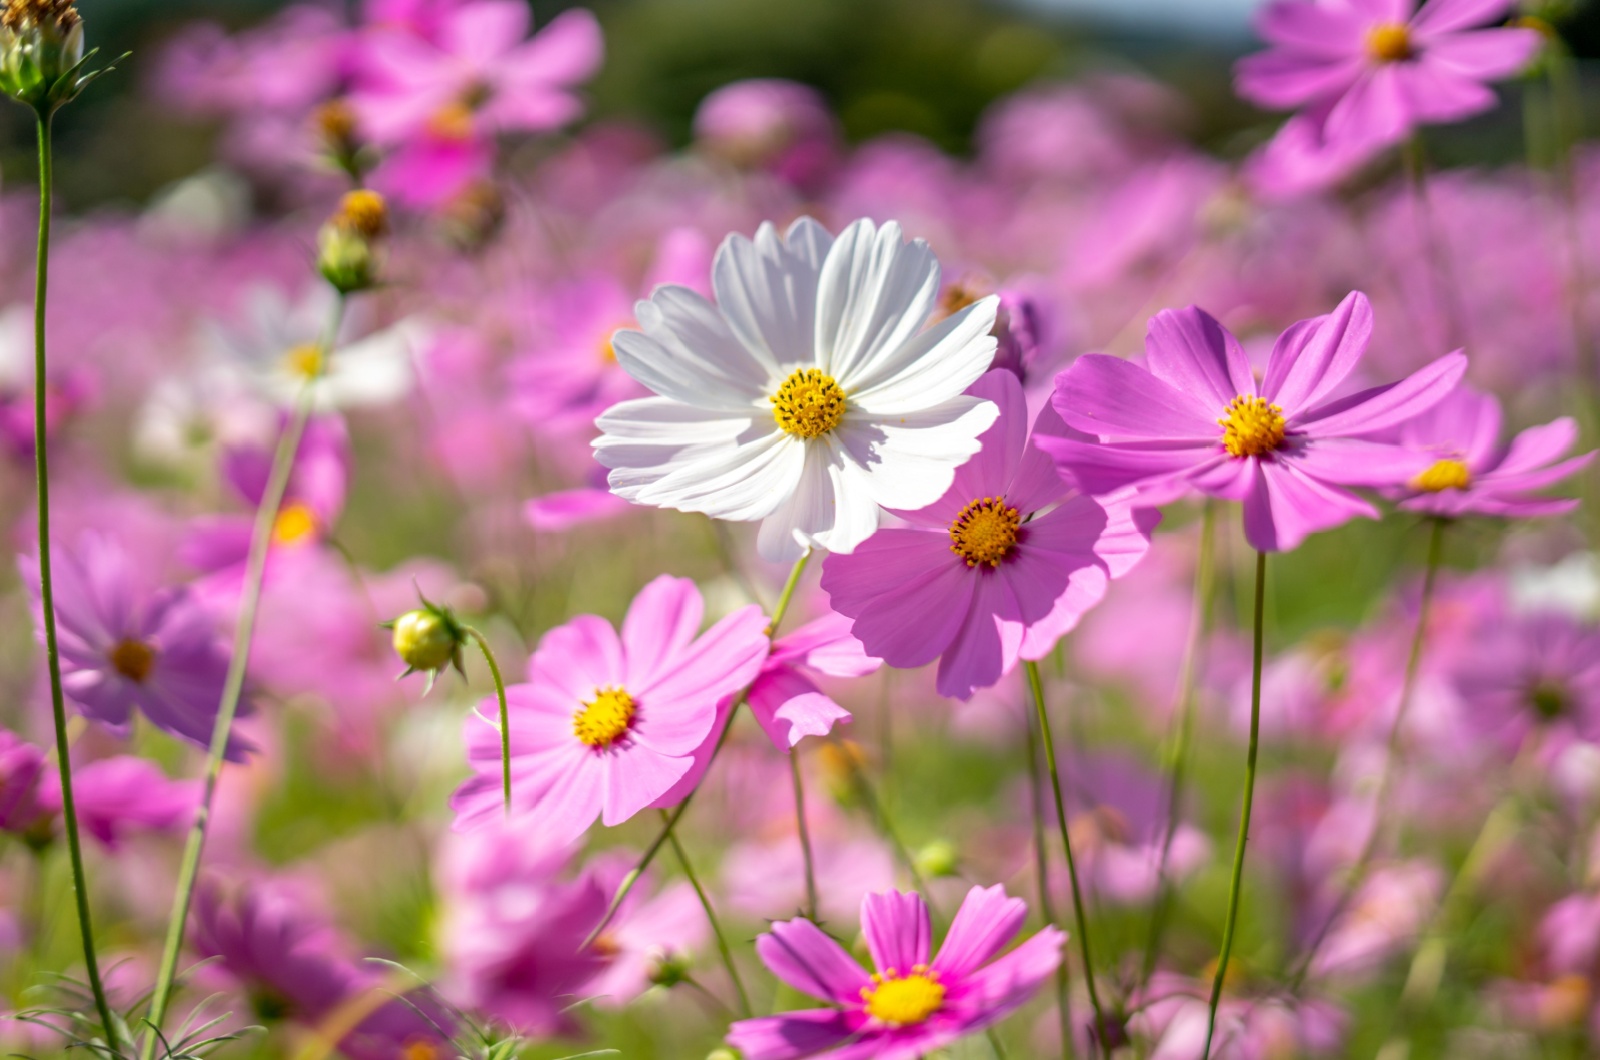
[41,47]
[669,969]
[939,858]
[428,639]
[346,247]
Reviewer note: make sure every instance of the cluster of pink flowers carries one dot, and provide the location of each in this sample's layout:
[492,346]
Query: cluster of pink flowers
[858,440]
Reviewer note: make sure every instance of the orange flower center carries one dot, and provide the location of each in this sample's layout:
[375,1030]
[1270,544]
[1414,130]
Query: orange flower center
[985,531]
[904,1001]
[1251,427]
[294,524]
[1389,42]
[1444,475]
[604,720]
[133,659]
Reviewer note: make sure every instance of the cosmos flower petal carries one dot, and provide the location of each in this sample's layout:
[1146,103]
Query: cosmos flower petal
[789,708]
[1287,506]
[911,460]
[1099,469]
[661,623]
[579,657]
[875,292]
[801,955]
[1375,110]
[1487,55]
[1002,445]
[1280,79]
[567,50]
[1355,462]
[898,931]
[1313,29]
[633,784]
[1002,987]
[1385,407]
[1449,16]
[741,482]
[1113,399]
[985,923]
[767,290]
[1537,446]
[796,1035]
[930,367]
[986,646]
[1437,93]
[908,594]
[1190,350]
[1313,357]
[687,352]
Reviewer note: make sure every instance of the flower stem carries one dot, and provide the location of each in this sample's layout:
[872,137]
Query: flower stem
[505,713]
[671,820]
[52,651]
[1041,859]
[1199,627]
[1232,921]
[805,833]
[1391,761]
[233,686]
[1037,687]
[711,915]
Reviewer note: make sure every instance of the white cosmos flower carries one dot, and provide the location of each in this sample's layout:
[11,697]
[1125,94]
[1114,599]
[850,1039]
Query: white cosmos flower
[276,347]
[809,395]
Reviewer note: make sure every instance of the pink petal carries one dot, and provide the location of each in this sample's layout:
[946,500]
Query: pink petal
[1098,468]
[1190,350]
[1486,56]
[1447,16]
[556,512]
[826,645]
[1313,357]
[1286,507]
[790,708]
[906,591]
[483,30]
[1353,462]
[985,923]
[1439,94]
[989,472]
[1385,407]
[568,50]
[635,777]
[1279,80]
[578,658]
[898,933]
[986,647]
[1312,28]
[1537,446]
[678,706]
[1008,983]
[661,623]
[798,953]
[795,1035]
[1115,400]
[1375,110]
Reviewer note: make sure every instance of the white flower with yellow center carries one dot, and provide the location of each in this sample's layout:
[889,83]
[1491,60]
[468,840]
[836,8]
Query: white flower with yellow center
[810,395]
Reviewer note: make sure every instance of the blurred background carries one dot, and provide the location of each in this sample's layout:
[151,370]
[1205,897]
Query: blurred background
[928,67]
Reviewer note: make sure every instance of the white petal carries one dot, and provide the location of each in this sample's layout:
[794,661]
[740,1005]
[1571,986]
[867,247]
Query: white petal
[934,366]
[374,371]
[687,353]
[875,293]
[831,507]
[767,290]
[739,483]
[910,461]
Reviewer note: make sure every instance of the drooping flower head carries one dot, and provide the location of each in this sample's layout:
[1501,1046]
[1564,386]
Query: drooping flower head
[1368,72]
[915,1002]
[1196,419]
[608,724]
[125,648]
[996,570]
[808,395]
[1474,473]
[786,701]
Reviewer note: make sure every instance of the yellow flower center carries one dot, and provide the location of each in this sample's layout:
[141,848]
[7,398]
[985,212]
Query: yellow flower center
[451,122]
[808,404]
[305,360]
[985,531]
[605,720]
[294,524]
[1444,475]
[1251,427]
[133,659]
[904,1001]
[1389,42]
[363,212]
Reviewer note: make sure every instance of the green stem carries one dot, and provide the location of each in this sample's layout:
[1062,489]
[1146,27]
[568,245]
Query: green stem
[1199,627]
[1041,860]
[1037,687]
[505,714]
[1391,755]
[711,916]
[1232,921]
[47,605]
[787,595]
[233,687]
[805,833]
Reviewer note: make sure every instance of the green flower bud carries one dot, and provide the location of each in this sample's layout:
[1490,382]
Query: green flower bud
[939,858]
[346,259]
[669,969]
[41,53]
[428,639]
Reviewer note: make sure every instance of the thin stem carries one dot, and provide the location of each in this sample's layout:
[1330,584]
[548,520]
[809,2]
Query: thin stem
[47,605]
[711,916]
[805,833]
[1391,755]
[233,686]
[1037,687]
[505,714]
[666,833]
[1041,860]
[1199,627]
[1232,921]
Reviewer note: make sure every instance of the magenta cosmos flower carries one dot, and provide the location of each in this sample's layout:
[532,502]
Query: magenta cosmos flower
[124,648]
[784,699]
[607,725]
[997,569]
[1473,473]
[1195,418]
[1368,72]
[914,1003]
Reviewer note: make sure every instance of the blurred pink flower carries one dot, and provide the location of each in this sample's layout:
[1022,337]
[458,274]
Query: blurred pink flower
[1029,558]
[786,701]
[114,794]
[917,1002]
[607,725]
[1194,419]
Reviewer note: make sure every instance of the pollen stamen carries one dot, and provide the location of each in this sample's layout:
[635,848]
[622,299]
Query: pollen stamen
[1444,475]
[809,404]
[133,659]
[903,1001]
[1389,42]
[605,719]
[1251,427]
[985,531]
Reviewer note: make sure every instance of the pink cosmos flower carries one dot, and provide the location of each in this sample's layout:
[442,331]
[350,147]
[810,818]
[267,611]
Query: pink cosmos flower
[478,72]
[123,647]
[1538,673]
[915,1003]
[1474,474]
[21,765]
[651,936]
[1197,419]
[115,795]
[781,126]
[996,570]
[1368,72]
[607,725]
[786,701]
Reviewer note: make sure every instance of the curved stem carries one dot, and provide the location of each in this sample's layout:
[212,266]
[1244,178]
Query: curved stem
[805,833]
[1391,761]
[47,605]
[1199,627]
[1232,921]
[1037,687]
[505,713]
[787,596]
[233,687]
[711,915]
[1041,860]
